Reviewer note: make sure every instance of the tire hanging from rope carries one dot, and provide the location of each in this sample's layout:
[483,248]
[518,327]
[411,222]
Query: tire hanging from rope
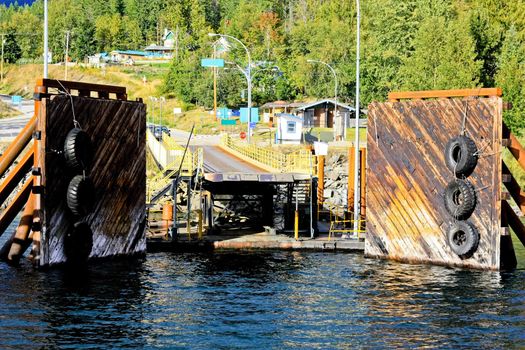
[460,199]
[463,239]
[461,155]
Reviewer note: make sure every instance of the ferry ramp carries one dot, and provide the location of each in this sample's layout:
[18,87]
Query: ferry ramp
[248,186]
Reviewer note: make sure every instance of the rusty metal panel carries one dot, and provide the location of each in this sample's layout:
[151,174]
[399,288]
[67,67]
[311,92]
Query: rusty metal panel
[117,129]
[407,177]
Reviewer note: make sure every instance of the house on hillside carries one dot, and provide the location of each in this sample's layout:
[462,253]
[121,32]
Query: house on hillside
[164,51]
[127,56]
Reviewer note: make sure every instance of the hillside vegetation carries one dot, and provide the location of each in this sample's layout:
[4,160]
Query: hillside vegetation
[406,45]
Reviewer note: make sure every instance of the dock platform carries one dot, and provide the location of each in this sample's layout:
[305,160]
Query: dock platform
[254,241]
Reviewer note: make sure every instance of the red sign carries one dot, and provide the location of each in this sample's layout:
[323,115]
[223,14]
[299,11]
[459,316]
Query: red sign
[242,135]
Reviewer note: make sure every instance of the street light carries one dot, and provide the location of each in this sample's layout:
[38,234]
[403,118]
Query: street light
[335,79]
[357,190]
[247,73]
[161,101]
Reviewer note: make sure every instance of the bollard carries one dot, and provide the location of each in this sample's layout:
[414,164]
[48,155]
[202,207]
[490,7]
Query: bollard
[296,225]
[167,215]
[200,224]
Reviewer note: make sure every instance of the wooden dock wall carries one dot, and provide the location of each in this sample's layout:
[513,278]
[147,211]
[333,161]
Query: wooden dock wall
[407,175]
[117,129]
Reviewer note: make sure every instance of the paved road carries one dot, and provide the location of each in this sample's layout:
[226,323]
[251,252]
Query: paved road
[10,127]
[216,160]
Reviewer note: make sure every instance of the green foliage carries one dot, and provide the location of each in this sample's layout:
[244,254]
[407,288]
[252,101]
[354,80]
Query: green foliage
[511,78]
[12,52]
[410,44]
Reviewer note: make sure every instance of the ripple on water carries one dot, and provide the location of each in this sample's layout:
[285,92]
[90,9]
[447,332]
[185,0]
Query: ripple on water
[261,300]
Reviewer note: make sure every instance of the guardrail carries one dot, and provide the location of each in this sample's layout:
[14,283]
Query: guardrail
[300,161]
[173,152]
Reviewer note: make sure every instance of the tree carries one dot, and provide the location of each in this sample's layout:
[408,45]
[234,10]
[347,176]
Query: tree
[444,57]
[511,78]
[12,52]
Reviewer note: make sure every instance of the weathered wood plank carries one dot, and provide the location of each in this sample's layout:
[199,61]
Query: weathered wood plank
[418,95]
[407,176]
[117,130]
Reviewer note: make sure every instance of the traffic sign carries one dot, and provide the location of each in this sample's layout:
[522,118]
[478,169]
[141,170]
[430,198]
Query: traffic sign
[212,62]
[242,135]
[228,121]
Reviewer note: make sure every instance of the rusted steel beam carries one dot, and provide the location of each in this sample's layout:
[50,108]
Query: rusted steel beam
[514,221]
[351,165]
[20,241]
[17,174]
[320,179]
[514,188]
[395,96]
[362,154]
[15,206]
[17,146]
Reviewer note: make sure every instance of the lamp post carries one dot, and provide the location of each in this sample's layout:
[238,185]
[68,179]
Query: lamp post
[335,80]
[247,73]
[46,47]
[357,190]
[161,101]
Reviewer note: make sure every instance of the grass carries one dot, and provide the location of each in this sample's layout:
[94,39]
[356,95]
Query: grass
[6,111]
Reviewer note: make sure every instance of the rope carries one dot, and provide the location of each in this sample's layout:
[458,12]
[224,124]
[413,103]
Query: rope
[76,124]
[464,121]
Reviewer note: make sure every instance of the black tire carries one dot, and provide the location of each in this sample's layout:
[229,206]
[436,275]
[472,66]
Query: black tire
[78,243]
[460,155]
[463,239]
[77,149]
[80,195]
[460,199]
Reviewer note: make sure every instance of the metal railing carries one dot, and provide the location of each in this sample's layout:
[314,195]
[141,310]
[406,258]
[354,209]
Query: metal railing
[295,162]
[192,161]
[340,224]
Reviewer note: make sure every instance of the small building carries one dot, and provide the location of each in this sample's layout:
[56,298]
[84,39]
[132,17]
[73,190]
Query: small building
[159,52]
[270,109]
[164,51]
[289,128]
[127,56]
[321,113]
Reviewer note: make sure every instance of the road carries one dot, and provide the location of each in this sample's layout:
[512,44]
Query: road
[216,160]
[10,127]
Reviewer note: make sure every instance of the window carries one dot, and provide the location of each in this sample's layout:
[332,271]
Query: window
[290,127]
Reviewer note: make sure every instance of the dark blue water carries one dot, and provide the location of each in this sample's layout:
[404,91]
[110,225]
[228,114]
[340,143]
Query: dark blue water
[261,300]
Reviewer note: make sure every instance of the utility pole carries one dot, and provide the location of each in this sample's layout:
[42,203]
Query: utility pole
[357,190]
[2,63]
[46,44]
[248,75]
[215,84]
[66,58]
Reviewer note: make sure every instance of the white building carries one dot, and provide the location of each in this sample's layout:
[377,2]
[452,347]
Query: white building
[289,128]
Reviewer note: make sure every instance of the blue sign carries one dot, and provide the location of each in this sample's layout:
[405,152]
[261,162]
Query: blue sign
[212,62]
[252,125]
[254,116]
[16,99]
[223,113]
[228,122]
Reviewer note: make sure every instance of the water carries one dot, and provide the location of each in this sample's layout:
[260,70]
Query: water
[261,300]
